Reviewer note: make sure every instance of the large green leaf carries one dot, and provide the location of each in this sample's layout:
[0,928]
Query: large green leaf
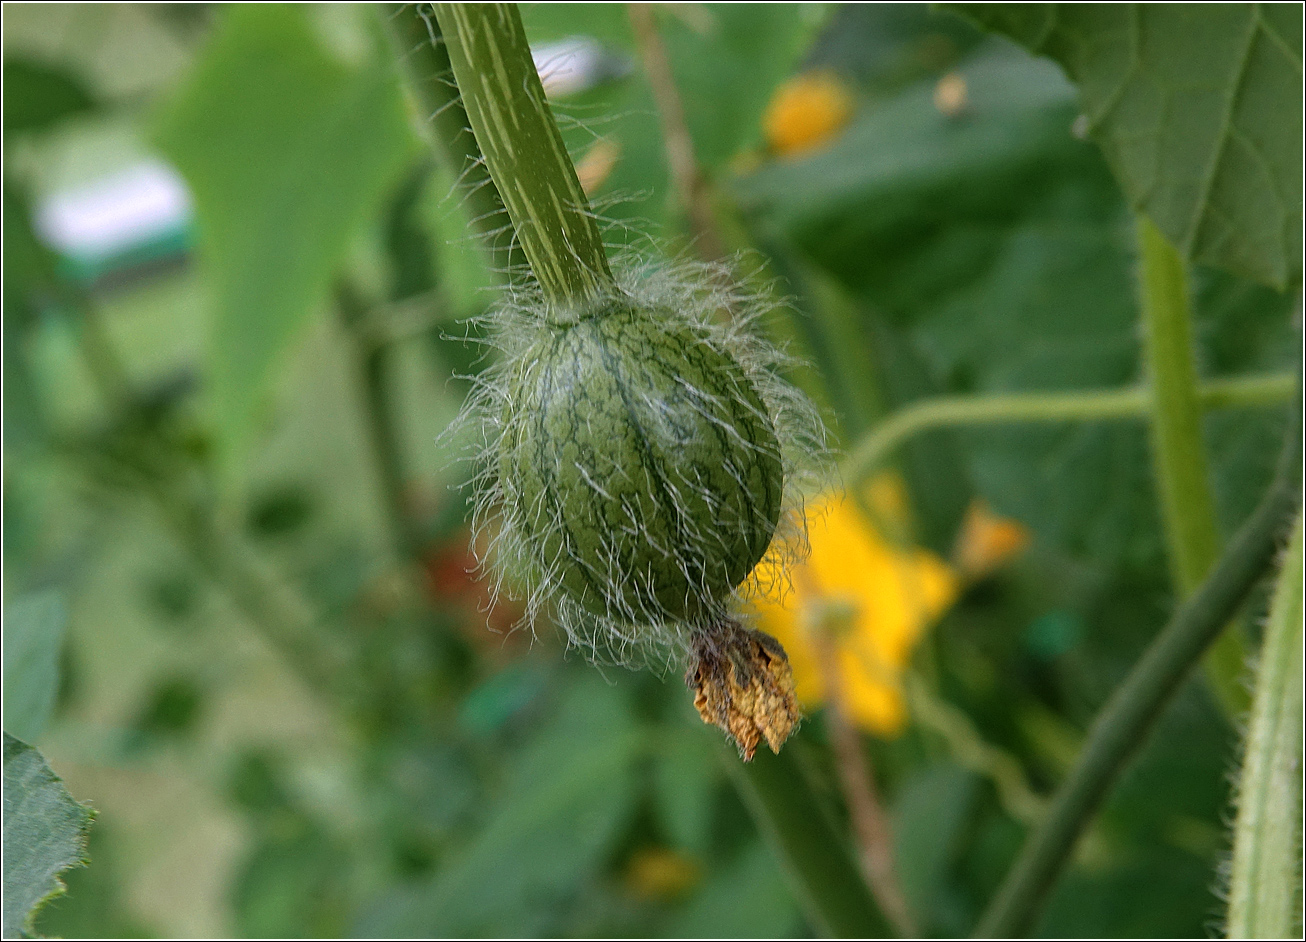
[990,254]
[1198,109]
[44,835]
[33,639]
[287,153]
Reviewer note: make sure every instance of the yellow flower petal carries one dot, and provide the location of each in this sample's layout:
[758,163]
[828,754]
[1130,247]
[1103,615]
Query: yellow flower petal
[892,594]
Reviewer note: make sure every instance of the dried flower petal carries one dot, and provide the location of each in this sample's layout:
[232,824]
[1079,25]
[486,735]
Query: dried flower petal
[743,684]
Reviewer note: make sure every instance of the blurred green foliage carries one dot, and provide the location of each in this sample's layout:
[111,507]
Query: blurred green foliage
[301,170]
[175,435]
[33,638]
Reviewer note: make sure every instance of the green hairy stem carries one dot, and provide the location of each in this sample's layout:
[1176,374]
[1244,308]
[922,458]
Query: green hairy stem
[1015,408]
[1123,723]
[1178,453]
[1265,886]
[524,152]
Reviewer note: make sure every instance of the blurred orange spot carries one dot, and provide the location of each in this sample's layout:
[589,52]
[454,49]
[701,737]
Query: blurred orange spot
[596,166]
[950,95]
[807,112]
[451,582]
[987,542]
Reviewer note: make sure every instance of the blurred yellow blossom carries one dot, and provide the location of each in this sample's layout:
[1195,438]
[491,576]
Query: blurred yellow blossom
[806,112]
[881,594]
[890,594]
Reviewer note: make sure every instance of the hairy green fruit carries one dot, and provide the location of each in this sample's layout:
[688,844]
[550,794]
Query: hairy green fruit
[647,473]
[641,462]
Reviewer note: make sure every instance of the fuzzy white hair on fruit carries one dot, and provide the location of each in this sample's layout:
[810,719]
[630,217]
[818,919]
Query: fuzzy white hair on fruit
[513,531]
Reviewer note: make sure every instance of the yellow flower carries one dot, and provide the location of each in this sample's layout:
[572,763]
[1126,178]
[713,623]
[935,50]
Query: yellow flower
[806,112]
[887,594]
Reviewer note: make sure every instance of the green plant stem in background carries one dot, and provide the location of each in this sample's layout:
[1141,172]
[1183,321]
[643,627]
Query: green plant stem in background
[425,58]
[523,150]
[277,611]
[1265,885]
[870,824]
[817,862]
[1178,452]
[373,358]
[1017,408]
[969,749]
[1125,720]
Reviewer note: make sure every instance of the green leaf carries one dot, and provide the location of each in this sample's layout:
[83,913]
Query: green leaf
[27,275]
[987,254]
[33,639]
[746,900]
[930,816]
[287,153]
[294,883]
[96,904]
[687,777]
[1198,110]
[728,68]
[38,96]
[569,795]
[44,834]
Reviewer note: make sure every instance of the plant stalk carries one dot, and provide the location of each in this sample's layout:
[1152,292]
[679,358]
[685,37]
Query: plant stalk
[420,48]
[373,359]
[688,184]
[1125,720]
[524,152]
[1178,453]
[1265,886]
[813,855]
[857,777]
[1016,408]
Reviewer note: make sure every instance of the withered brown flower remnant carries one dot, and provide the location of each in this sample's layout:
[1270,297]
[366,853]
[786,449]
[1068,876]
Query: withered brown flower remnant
[743,684]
